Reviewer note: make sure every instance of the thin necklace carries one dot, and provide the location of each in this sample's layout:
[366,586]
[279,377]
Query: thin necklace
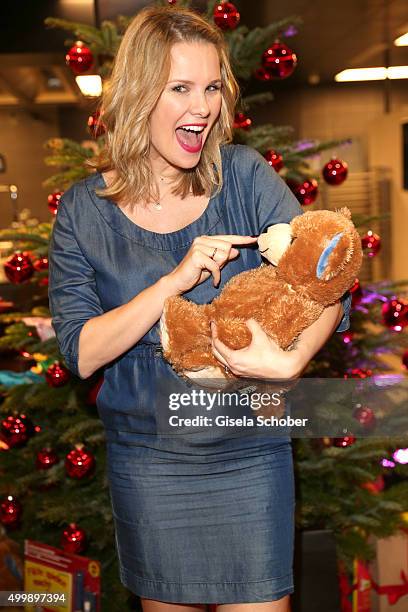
[157,205]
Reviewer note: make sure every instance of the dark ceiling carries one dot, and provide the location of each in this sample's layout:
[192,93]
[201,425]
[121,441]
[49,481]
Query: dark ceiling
[333,36]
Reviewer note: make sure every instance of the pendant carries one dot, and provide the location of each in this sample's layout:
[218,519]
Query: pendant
[157,206]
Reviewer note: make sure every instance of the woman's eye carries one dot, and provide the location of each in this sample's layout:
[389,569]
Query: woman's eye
[178,88]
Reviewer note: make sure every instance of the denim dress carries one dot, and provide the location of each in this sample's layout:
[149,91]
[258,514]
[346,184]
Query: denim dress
[198,518]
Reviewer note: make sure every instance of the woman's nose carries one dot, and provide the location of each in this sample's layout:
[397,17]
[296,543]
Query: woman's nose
[199,105]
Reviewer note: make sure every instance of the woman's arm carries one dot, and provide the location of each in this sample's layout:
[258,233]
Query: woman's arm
[263,358]
[315,336]
[107,336]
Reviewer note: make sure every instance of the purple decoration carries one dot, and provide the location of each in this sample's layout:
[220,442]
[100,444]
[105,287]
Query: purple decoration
[371,296]
[387,463]
[290,31]
[401,455]
[303,145]
[387,380]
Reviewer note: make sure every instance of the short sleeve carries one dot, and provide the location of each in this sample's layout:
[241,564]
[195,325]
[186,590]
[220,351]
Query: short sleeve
[275,202]
[73,298]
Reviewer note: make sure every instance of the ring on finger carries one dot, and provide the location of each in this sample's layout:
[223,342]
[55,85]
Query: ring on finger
[214,252]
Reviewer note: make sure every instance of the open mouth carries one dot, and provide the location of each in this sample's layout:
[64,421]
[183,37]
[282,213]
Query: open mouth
[190,137]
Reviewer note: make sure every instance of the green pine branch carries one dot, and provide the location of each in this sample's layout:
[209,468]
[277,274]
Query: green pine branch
[247,46]
[248,102]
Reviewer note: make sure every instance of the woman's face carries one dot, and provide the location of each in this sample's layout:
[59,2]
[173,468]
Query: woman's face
[191,98]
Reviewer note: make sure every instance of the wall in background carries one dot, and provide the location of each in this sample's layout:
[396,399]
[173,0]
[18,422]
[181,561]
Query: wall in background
[385,150]
[22,139]
[335,112]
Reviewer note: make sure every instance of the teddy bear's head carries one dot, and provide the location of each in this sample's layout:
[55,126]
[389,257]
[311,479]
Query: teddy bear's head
[319,253]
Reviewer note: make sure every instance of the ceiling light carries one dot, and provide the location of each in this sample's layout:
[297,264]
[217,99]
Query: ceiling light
[90,84]
[372,74]
[401,41]
[361,74]
[398,72]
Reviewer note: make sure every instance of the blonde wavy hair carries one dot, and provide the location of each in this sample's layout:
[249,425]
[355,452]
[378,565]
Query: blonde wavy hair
[140,73]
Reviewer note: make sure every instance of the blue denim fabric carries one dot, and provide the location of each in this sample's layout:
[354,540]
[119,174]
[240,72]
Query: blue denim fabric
[197,519]
[346,303]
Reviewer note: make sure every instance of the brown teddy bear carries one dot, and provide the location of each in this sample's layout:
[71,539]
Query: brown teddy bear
[315,259]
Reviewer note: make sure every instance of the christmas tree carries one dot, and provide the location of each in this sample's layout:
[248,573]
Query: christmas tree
[53,483]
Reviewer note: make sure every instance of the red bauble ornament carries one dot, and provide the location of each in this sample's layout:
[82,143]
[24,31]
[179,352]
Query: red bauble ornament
[374,486]
[274,159]
[19,268]
[242,122]
[57,375]
[96,127]
[347,336]
[46,458]
[73,539]
[10,511]
[395,314]
[335,171]
[279,61]
[79,462]
[43,282]
[262,75]
[93,392]
[371,243]
[356,293]
[53,201]
[344,441]
[358,373]
[172,1]
[405,360]
[41,264]
[365,416]
[16,430]
[305,192]
[226,16]
[79,58]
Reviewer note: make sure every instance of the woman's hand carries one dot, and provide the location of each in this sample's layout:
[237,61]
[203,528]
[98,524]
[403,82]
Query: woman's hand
[262,358]
[207,255]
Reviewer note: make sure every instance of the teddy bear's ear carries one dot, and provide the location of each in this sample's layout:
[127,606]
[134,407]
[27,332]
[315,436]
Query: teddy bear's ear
[345,212]
[334,256]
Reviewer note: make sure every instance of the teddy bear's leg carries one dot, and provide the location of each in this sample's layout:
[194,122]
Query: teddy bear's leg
[233,332]
[186,335]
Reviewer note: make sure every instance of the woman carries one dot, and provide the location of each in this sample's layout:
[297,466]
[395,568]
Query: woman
[197,520]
